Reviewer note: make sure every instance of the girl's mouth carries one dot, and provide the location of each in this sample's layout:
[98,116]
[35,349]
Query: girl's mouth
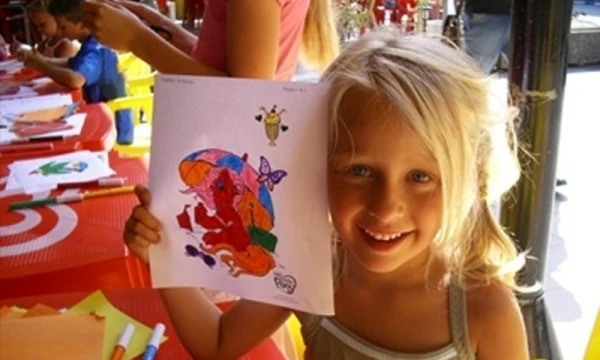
[383,241]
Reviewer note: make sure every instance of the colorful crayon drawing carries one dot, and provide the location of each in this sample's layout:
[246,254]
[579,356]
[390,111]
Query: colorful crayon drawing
[272,120]
[233,209]
[60,168]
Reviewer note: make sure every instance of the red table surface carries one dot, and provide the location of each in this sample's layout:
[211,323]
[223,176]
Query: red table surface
[98,134]
[144,305]
[88,254]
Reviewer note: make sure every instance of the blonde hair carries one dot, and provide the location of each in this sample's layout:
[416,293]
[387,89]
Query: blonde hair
[320,43]
[446,100]
[38,6]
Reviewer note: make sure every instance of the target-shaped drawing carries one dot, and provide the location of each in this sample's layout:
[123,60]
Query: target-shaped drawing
[26,231]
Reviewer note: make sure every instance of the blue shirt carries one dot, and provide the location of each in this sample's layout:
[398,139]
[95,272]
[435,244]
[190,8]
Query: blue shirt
[103,82]
[99,66]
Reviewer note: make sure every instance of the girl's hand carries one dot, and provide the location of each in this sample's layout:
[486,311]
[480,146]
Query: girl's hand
[111,23]
[142,228]
[14,48]
[33,60]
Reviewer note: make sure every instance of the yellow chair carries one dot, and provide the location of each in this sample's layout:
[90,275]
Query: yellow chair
[593,348]
[140,85]
[142,131]
[294,327]
[132,66]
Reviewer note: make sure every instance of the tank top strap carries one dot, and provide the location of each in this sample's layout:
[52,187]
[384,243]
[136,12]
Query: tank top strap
[49,50]
[310,325]
[458,322]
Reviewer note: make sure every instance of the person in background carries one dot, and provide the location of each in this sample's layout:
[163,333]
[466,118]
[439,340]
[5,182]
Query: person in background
[241,38]
[487,31]
[4,52]
[94,68]
[53,45]
[487,25]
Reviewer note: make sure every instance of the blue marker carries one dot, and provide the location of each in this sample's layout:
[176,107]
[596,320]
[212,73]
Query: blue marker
[154,343]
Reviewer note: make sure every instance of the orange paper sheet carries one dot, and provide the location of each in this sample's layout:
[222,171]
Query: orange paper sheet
[10,313]
[65,337]
[40,310]
[44,115]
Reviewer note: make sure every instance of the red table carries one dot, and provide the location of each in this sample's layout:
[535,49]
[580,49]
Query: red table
[146,306]
[98,134]
[69,247]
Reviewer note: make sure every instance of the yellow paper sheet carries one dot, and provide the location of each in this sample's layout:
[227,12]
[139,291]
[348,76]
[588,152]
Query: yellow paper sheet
[10,313]
[115,323]
[52,337]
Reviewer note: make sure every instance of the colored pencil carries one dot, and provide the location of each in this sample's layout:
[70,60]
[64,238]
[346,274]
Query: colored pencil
[67,198]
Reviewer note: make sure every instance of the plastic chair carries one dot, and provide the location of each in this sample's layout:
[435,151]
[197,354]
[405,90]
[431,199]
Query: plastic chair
[141,105]
[131,66]
[294,327]
[593,348]
[140,85]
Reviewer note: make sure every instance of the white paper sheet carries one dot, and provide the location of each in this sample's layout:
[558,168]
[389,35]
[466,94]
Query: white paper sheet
[76,121]
[44,173]
[18,106]
[11,66]
[24,92]
[260,175]
[13,184]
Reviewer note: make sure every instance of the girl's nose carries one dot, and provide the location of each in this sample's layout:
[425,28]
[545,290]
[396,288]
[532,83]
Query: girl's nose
[387,203]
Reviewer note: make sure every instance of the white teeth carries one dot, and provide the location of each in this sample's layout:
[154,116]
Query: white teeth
[383,237]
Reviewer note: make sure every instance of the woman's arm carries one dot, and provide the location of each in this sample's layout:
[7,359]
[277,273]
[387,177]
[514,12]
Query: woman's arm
[181,38]
[253,41]
[208,334]
[253,36]
[166,58]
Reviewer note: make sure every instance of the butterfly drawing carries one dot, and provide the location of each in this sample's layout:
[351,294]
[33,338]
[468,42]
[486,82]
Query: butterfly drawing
[190,250]
[271,178]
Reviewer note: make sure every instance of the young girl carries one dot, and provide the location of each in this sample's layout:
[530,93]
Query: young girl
[53,44]
[423,269]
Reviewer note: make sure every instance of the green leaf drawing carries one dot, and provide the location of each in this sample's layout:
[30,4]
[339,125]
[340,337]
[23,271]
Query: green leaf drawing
[263,238]
[53,168]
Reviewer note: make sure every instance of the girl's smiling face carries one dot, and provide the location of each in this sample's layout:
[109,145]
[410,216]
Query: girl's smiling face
[384,186]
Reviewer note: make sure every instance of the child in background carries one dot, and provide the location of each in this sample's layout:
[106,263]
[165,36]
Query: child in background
[53,44]
[94,68]
[423,270]
[3,49]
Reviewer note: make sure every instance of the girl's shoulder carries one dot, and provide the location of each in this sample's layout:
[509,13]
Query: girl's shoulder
[495,322]
[65,48]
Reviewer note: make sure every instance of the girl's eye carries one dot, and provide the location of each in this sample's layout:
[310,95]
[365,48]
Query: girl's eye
[359,170]
[420,177]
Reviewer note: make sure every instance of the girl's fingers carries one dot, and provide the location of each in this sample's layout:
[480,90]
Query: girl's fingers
[143,195]
[141,232]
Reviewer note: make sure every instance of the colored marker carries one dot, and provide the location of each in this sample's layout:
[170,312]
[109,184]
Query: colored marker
[25,147]
[154,343]
[33,139]
[123,342]
[67,198]
[103,182]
